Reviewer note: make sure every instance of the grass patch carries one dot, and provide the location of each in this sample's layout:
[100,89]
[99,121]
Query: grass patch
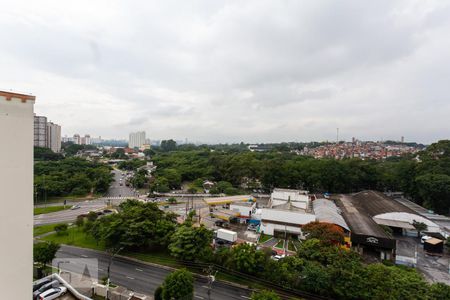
[280,244]
[296,244]
[161,258]
[49,209]
[39,230]
[264,238]
[291,246]
[75,237]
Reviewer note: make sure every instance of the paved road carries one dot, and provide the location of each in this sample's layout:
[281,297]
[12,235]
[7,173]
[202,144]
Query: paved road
[116,194]
[117,190]
[144,278]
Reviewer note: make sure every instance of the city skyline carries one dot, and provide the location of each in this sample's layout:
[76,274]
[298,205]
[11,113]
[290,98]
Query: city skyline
[227,72]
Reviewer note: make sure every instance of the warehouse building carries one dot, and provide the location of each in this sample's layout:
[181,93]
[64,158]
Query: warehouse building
[367,212]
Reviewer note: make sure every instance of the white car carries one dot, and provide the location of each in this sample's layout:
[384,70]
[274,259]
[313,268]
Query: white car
[424,238]
[53,293]
[278,257]
[75,207]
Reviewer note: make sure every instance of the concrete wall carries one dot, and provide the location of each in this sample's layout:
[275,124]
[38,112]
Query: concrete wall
[16,196]
[270,228]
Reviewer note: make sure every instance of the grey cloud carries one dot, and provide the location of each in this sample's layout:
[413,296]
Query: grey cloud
[224,71]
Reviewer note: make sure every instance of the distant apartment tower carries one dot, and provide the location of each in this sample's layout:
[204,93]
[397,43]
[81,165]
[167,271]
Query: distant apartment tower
[87,139]
[137,139]
[16,182]
[47,134]
[40,131]
[76,139]
[54,137]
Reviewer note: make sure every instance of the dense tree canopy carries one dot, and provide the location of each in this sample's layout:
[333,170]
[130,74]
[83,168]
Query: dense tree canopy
[137,226]
[70,176]
[45,154]
[191,243]
[425,178]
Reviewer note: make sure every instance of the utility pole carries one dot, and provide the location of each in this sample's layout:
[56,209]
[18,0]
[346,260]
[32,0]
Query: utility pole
[211,279]
[109,267]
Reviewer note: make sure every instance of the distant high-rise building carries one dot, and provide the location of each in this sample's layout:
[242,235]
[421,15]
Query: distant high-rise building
[77,139]
[53,137]
[47,134]
[403,139]
[136,139]
[40,131]
[87,139]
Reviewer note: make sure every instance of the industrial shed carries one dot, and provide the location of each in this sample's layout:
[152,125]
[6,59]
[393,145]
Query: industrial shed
[386,211]
[365,234]
[326,211]
[275,221]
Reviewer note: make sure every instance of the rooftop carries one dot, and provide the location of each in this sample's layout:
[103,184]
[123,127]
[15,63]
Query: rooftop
[327,211]
[358,219]
[228,199]
[23,97]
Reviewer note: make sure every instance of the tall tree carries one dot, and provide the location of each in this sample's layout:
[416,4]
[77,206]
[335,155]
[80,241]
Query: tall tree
[178,285]
[326,232]
[44,253]
[191,243]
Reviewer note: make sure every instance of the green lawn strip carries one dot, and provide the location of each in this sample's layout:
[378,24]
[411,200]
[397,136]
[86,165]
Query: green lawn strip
[280,244]
[161,258]
[75,237]
[296,244]
[42,229]
[264,238]
[49,209]
[291,246]
[68,198]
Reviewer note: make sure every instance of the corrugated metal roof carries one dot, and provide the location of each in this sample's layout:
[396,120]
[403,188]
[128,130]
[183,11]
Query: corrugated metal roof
[286,216]
[327,211]
[393,223]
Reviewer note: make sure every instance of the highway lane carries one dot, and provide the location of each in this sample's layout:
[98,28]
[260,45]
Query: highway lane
[145,278]
[116,194]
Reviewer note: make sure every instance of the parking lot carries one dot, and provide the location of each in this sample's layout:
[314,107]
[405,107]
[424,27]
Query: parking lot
[435,268]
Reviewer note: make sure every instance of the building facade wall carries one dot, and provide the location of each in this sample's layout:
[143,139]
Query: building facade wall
[271,228]
[54,137]
[16,191]
[136,139]
[40,131]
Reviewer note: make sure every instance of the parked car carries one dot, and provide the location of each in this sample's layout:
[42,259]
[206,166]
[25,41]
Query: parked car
[37,284]
[75,207]
[252,227]
[424,238]
[53,293]
[278,257]
[51,284]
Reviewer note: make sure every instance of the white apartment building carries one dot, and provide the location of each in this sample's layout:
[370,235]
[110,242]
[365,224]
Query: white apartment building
[40,131]
[53,137]
[76,139]
[136,139]
[16,183]
[87,139]
[47,134]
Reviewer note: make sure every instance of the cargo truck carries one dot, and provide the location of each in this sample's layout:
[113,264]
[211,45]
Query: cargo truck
[226,235]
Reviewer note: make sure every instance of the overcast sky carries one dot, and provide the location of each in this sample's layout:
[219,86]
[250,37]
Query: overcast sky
[231,71]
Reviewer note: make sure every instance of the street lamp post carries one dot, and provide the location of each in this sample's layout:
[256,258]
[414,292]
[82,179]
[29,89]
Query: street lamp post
[109,267]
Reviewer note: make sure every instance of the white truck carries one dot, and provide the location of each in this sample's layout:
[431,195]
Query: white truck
[226,235]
